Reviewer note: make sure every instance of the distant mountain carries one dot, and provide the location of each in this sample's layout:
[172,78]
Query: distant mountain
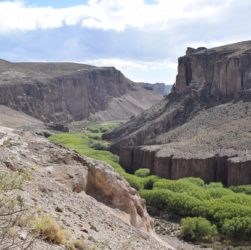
[158,88]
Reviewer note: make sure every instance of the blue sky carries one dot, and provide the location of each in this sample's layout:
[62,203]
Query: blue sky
[65,3]
[141,38]
[56,3]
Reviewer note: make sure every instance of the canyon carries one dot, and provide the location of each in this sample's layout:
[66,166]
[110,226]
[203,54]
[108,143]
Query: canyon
[87,199]
[65,92]
[202,128]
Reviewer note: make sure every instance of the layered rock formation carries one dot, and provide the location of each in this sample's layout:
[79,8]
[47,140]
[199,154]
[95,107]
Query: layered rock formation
[62,92]
[203,127]
[226,69]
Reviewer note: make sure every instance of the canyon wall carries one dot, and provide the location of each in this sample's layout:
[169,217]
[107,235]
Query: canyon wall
[203,127]
[66,92]
[227,69]
[210,168]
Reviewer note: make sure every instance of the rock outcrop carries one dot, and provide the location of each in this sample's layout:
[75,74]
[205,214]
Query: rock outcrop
[87,197]
[203,127]
[63,92]
[226,69]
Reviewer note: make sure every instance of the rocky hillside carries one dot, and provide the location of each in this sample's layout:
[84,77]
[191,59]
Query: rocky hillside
[63,92]
[203,127]
[85,197]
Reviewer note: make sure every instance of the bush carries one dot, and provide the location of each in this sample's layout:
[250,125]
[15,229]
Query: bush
[142,172]
[237,227]
[198,229]
[47,228]
[149,181]
[94,136]
[214,185]
[216,193]
[97,145]
[193,180]
[140,183]
[94,130]
[246,189]
[134,181]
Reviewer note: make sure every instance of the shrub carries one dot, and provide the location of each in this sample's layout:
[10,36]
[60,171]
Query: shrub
[214,185]
[186,186]
[140,183]
[193,180]
[237,227]
[149,181]
[94,130]
[97,145]
[77,245]
[134,181]
[47,228]
[156,198]
[198,229]
[246,189]
[94,136]
[142,172]
[216,193]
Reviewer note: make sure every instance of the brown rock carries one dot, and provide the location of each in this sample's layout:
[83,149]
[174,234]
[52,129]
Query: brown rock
[200,129]
[63,92]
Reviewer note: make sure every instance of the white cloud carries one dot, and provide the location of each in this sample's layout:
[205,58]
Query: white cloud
[148,71]
[123,64]
[107,14]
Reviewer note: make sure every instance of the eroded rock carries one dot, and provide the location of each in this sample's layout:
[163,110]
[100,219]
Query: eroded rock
[80,192]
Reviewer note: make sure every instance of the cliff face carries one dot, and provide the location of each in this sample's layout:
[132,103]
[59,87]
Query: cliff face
[203,127]
[65,92]
[227,69]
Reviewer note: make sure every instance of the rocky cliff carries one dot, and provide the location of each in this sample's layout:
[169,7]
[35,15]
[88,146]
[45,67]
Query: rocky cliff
[226,69]
[203,127]
[62,92]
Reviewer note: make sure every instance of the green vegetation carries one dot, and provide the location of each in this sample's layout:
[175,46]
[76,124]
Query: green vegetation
[101,128]
[227,209]
[142,172]
[246,189]
[198,229]
[90,144]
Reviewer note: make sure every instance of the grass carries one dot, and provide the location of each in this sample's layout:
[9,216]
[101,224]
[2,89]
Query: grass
[48,229]
[228,209]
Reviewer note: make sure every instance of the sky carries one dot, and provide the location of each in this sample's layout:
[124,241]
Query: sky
[142,38]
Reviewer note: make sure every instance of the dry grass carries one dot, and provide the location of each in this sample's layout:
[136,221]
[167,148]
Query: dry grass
[47,228]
